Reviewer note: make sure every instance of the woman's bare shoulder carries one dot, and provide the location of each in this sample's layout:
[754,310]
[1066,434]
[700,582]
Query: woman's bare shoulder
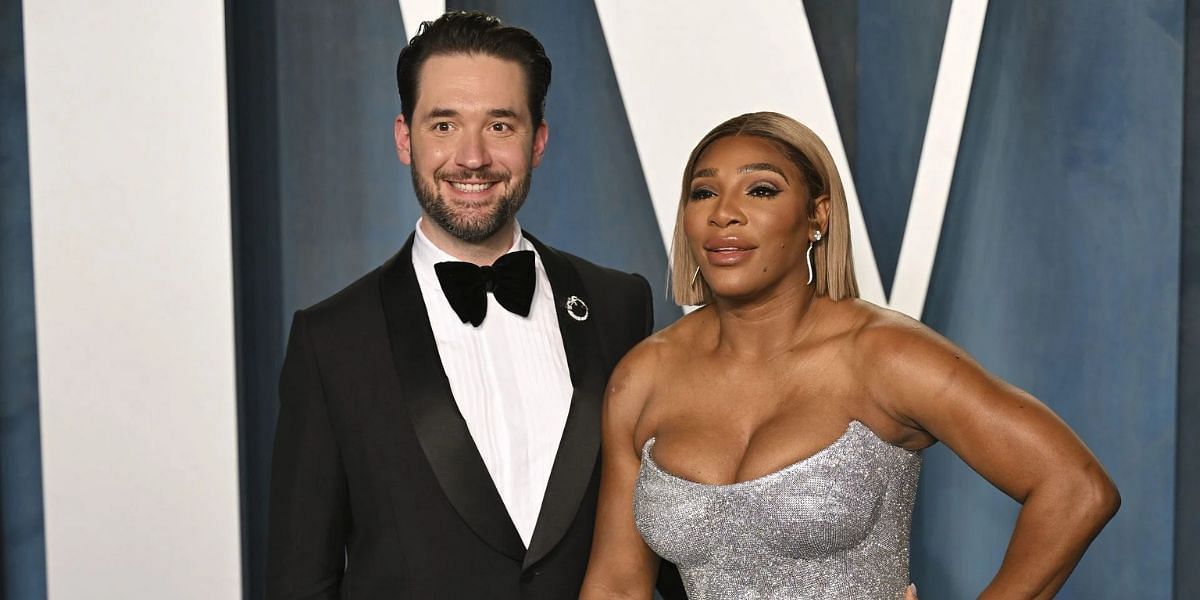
[902,359]
[877,331]
[633,380]
[674,340]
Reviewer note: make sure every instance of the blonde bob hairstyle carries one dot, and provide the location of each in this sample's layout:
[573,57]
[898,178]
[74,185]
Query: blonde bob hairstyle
[832,260]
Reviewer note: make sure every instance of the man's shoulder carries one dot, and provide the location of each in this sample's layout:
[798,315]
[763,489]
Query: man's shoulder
[359,299]
[623,301]
[591,272]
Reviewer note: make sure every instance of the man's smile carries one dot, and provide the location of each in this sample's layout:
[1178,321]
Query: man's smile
[471,187]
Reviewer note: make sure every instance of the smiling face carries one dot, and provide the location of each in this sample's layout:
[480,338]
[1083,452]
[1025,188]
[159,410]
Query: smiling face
[472,144]
[747,218]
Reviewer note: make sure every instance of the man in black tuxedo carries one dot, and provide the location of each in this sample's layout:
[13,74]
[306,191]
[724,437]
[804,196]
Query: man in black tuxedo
[438,432]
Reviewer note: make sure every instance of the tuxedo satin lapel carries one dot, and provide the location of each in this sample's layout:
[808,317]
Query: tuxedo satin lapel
[441,430]
[580,445]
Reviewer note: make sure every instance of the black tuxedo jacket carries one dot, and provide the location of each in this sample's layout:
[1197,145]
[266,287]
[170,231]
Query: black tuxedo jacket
[377,489]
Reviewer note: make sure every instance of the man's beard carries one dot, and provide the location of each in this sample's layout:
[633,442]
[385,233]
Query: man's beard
[471,229]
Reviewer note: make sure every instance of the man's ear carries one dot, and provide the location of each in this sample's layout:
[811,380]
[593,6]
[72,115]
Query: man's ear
[403,141]
[821,214]
[539,142]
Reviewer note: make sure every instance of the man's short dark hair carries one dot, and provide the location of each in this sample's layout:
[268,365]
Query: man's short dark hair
[474,33]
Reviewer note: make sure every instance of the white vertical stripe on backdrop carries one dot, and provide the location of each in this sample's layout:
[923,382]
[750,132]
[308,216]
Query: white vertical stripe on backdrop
[415,12]
[683,67]
[939,152]
[129,178]
[668,56]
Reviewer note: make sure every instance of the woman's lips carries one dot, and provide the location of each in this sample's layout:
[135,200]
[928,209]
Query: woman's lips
[725,256]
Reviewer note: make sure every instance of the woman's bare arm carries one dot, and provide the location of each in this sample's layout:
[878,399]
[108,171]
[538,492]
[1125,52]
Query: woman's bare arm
[1007,436]
[621,565]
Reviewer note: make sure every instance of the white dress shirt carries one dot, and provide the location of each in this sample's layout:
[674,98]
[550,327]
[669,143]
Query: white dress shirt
[510,379]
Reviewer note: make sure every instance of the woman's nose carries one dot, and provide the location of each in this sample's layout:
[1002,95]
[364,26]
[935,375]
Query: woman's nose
[726,212]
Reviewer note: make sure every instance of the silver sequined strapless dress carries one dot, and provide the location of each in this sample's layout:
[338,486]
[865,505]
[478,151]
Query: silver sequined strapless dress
[834,525]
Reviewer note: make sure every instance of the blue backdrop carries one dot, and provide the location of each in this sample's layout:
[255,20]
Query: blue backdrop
[1059,270]
[22,545]
[1061,266]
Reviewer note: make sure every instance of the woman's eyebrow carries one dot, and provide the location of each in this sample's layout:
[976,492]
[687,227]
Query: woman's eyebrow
[762,166]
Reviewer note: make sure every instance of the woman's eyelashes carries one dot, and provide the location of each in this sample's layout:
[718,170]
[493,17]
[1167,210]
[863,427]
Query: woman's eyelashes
[763,190]
[760,189]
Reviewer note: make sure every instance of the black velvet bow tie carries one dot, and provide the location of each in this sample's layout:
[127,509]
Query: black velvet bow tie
[510,279]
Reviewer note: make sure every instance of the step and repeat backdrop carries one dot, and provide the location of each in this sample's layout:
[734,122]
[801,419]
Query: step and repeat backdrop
[179,178]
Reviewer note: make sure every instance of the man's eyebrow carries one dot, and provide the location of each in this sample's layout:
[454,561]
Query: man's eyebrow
[495,113]
[762,166]
[709,172]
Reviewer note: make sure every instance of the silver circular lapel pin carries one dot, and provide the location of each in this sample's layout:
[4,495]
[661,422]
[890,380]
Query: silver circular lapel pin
[577,308]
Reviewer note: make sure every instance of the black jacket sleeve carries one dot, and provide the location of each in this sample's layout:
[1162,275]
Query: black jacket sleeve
[309,512]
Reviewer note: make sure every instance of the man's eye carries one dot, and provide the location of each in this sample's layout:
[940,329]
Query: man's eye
[443,126]
[701,194]
[764,191]
[501,127]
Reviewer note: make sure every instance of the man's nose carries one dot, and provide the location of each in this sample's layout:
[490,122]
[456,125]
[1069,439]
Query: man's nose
[472,152]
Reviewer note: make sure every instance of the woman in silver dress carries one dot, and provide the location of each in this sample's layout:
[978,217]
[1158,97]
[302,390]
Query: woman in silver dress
[769,443]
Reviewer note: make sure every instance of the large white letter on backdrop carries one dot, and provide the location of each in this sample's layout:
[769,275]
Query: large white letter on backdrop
[684,66]
[415,12]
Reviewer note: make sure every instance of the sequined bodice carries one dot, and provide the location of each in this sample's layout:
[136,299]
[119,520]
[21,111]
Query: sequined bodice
[832,526]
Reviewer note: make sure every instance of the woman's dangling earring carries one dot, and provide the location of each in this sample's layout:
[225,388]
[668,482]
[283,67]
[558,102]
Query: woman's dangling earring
[808,255]
[695,275]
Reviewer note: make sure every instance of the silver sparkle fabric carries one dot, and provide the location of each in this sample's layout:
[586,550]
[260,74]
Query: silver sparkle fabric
[832,526]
